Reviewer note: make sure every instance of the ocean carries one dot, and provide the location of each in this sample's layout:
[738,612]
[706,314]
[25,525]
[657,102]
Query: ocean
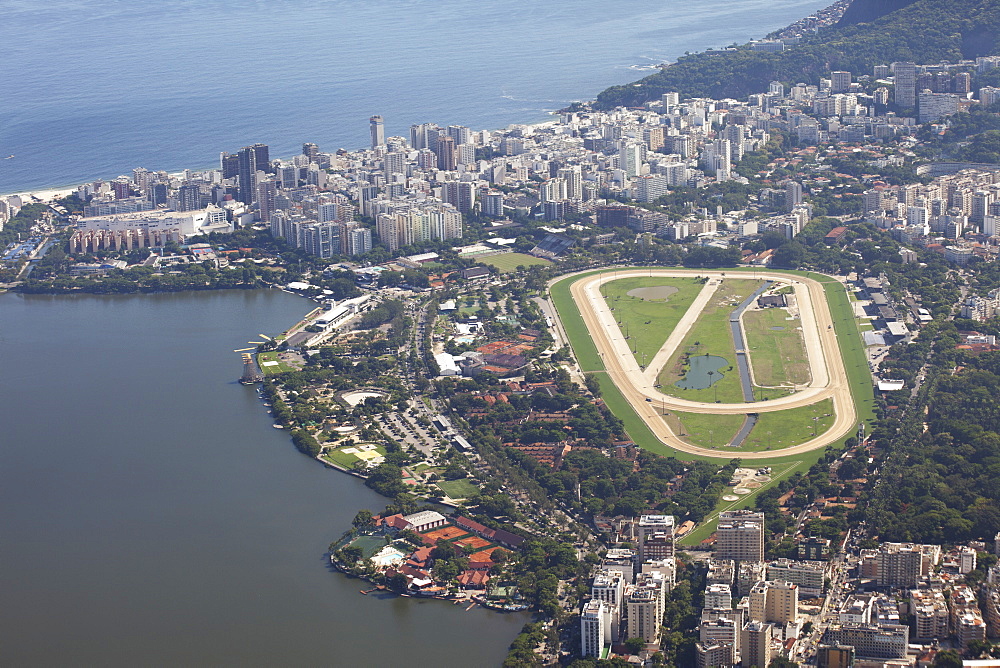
[95,89]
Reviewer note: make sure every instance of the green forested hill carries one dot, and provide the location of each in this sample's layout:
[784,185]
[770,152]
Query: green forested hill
[926,31]
[862,11]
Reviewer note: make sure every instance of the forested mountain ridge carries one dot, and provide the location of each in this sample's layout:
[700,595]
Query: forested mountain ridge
[925,31]
[863,11]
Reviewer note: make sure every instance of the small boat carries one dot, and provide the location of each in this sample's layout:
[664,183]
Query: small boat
[277,426]
[9,157]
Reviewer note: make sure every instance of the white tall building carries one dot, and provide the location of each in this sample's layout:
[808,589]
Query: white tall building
[595,628]
[609,586]
[573,177]
[630,159]
[718,596]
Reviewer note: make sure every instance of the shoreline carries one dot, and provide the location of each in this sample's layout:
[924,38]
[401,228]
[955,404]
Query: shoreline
[46,194]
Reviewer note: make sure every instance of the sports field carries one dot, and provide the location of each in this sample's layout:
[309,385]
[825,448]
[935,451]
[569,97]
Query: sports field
[508,262]
[270,364]
[458,489]
[705,329]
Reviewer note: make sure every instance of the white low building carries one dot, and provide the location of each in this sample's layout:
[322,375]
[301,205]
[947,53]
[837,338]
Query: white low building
[425,520]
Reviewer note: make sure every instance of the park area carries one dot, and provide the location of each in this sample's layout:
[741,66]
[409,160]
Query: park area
[348,457]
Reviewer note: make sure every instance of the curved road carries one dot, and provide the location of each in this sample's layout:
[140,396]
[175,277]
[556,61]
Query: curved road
[829,378]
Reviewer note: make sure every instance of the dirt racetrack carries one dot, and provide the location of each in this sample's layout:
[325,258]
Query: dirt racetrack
[829,378]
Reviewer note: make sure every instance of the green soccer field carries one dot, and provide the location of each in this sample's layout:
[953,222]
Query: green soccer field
[508,262]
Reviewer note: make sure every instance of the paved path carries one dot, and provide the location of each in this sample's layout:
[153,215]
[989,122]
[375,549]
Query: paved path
[829,378]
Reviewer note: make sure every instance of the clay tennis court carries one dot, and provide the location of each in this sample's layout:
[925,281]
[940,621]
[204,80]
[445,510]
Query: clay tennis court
[473,541]
[445,533]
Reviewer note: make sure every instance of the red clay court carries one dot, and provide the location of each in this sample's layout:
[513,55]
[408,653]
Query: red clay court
[473,541]
[446,533]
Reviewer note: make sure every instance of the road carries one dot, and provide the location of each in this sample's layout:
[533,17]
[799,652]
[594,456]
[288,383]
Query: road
[829,378]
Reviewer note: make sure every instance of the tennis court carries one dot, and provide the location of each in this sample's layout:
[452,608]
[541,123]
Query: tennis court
[445,533]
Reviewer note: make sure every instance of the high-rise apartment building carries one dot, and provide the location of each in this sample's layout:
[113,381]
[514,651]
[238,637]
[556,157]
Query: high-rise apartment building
[793,195]
[903,564]
[493,204]
[266,192]
[394,163]
[311,151]
[644,602]
[377,128]
[810,576]
[250,160]
[189,197]
[595,628]
[460,194]
[718,596]
[905,94]
[355,239]
[573,177]
[446,158]
[840,82]
[460,133]
[655,535]
[775,602]
[419,135]
[740,536]
[756,645]
[630,158]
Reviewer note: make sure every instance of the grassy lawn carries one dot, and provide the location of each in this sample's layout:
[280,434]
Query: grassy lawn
[852,348]
[469,306]
[778,356]
[648,321]
[784,429]
[583,346]
[459,489]
[272,369]
[711,335]
[508,262]
[706,431]
[347,459]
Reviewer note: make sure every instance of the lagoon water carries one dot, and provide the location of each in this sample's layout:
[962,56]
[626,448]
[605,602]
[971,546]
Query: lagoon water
[96,88]
[150,515]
